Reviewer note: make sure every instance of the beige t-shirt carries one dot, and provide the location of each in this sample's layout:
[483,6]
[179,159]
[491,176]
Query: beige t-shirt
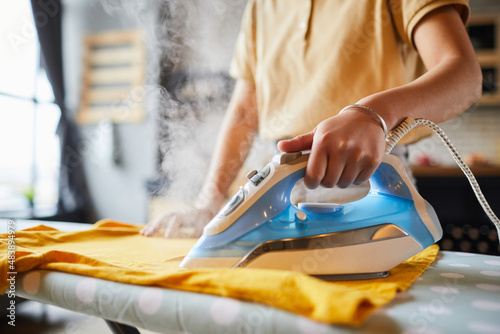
[309,59]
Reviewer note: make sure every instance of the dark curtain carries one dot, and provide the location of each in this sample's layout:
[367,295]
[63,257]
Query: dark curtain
[74,203]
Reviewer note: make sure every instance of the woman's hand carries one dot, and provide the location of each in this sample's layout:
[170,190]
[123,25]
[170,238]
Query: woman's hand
[345,149]
[188,223]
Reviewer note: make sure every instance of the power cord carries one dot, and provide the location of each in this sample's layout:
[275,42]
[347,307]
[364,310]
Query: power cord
[397,133]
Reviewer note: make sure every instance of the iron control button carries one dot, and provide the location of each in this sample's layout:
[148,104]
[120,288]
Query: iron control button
[257,178]
[264,172]
[233,203]
[251,174]
[287,157]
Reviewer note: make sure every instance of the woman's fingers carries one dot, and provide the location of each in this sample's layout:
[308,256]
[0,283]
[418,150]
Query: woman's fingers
[345,149]
[185,224]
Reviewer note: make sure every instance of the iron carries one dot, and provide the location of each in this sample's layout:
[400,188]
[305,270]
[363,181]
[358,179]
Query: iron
[260,228]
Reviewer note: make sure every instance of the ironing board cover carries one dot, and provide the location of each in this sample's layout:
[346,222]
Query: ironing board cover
[116,251]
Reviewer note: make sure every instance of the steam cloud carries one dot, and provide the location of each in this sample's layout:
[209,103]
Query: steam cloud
[189,46]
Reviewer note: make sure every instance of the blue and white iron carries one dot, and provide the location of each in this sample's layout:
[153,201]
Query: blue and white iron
[260,228]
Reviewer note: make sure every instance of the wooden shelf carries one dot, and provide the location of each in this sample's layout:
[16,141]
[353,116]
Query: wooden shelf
[444,171]
[484,31]
[113,77]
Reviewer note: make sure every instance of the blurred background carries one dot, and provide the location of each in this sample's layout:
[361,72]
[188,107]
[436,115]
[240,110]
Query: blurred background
[114,113]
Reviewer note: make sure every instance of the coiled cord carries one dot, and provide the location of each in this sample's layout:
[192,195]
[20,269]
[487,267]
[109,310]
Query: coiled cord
[408,124]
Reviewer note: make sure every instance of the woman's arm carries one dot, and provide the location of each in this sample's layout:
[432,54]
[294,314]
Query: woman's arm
[348,148]
[453,80]
[237,133]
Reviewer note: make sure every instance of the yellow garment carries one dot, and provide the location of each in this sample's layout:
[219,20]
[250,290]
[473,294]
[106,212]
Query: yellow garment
[115,251]
[309,59]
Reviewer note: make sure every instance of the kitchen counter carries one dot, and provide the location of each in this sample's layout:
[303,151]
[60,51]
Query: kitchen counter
[455,171]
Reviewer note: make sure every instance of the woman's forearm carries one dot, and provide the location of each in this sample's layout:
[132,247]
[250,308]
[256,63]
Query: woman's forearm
[233,144]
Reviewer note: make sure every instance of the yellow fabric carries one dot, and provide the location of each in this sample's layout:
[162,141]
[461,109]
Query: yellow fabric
[115,251]
[309,59]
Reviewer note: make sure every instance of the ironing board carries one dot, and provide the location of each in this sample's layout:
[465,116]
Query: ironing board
[459,293]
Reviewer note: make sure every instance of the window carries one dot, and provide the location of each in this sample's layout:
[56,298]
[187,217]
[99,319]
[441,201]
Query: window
[29,146]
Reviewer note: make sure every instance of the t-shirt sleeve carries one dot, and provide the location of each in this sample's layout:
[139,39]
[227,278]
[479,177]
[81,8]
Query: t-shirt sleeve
[244,58]
[407,13]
